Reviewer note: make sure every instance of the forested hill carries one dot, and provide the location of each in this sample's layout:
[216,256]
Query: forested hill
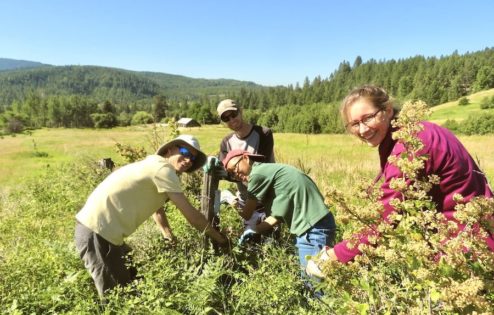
[434,80]
[101,84]
[11,64]
[91,96]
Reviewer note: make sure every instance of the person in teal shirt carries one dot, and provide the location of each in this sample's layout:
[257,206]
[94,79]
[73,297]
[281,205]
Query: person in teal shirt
[293,196]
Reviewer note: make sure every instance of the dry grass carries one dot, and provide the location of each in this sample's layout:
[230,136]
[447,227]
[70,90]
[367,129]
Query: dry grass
[332,159]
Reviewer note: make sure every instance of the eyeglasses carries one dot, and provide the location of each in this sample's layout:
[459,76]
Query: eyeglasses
[369,120]
[234,171]
[186,153]
[226,118]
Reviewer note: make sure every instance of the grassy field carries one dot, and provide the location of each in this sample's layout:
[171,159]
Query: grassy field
[452,110]
[40,272]
[332,159]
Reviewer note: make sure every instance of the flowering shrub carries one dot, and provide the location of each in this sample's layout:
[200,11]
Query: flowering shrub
[414,266]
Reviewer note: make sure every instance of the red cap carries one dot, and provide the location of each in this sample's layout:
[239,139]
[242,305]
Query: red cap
[239,152]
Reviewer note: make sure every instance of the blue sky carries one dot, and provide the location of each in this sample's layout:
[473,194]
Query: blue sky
[277,42]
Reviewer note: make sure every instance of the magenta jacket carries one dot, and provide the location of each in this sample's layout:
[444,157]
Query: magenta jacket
[448,159]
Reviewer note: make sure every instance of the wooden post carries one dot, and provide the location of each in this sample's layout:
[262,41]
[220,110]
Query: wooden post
[209,187]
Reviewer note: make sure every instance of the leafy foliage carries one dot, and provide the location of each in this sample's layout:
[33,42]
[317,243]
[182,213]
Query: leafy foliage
[182,278]
[463,101]
[487,103]
[141,117]
[415,265]
[106,120]
[473,125]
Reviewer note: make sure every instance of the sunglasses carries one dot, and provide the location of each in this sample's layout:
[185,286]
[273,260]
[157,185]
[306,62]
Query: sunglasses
[186,153]
[226,118]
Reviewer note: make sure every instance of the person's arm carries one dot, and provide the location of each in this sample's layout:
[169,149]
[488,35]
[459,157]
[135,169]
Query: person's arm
[266,225]
[342,251]
[195,218]
[266,144]
[331,254]
[270,147]
[248,209]
[162,222]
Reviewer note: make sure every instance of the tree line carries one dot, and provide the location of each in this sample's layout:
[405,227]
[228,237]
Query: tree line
[125,99]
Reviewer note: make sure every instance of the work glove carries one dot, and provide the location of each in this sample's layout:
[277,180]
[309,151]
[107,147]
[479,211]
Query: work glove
[246,236]
[212,164]
[313,268]
[255,219]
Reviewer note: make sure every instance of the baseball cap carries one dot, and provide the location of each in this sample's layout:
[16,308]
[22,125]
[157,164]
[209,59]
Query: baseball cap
[226,105]
[239,152]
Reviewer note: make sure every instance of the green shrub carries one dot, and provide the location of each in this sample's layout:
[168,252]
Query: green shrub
[478,125]
[104,120]
[452,125]
[42,273]
[487,103]
[410,268]
[141,118]
[463,101]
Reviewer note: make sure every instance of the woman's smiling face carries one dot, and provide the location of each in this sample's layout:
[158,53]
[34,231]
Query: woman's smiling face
[368,122]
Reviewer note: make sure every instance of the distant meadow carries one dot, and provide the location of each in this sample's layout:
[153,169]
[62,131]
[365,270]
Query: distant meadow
[330,159]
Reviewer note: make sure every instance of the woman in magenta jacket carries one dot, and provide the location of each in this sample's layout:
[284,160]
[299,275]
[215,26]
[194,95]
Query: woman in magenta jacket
[368,112]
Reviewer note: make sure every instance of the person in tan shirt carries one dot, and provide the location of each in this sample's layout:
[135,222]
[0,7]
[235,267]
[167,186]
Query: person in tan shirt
[129,196]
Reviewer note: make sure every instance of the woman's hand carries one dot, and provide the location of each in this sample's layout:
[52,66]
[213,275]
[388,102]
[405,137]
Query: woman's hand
[314,264]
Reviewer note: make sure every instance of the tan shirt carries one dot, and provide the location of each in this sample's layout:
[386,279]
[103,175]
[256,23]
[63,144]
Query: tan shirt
[128,196]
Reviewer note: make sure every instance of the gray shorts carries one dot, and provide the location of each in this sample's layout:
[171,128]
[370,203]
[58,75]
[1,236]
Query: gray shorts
[105,262]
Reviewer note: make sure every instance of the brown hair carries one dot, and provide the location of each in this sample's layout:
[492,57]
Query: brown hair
[376,95]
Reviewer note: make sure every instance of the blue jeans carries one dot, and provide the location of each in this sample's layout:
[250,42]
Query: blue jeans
[314,239]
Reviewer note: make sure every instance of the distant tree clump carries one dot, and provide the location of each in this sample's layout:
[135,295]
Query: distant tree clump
[487,103]
[452,125]
[104,120]
[478,125]
[473,125]
[159,107]
[12,122]
[463,101]
[141,117]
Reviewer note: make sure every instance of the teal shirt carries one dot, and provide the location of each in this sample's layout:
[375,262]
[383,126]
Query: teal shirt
[294,197]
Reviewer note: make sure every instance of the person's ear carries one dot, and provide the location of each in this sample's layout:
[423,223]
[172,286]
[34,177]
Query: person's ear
[246,158]
[168,152]
[389,112]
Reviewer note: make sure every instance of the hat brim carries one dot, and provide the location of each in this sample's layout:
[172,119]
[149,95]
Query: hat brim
[239,152]
[199,161]
[220,113]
